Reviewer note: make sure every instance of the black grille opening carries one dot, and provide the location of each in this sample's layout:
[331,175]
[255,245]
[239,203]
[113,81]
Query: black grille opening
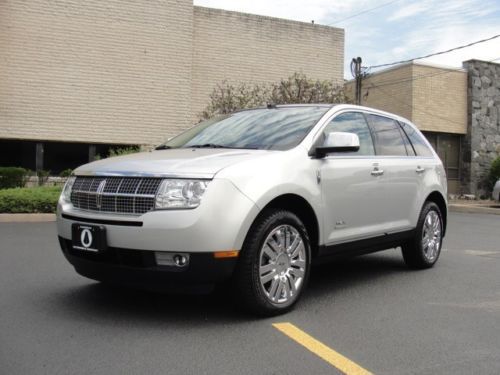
[113,255]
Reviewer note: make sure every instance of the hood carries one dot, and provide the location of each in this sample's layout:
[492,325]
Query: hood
[185,162]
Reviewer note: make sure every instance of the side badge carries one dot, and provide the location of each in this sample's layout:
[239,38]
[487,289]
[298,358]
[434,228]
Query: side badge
[339,224]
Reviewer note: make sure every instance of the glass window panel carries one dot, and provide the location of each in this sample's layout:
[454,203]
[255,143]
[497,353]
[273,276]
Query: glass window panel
[417,141]
[353,122]
[388,139]
[273,129]
[432,138]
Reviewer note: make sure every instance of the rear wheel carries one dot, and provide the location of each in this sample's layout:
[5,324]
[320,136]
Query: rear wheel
[424,249]
[274,264]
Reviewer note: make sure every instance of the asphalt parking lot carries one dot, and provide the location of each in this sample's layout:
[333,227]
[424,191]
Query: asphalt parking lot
[372,310]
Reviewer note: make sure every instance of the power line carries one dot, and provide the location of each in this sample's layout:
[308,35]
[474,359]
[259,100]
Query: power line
[363,12]
[420,110]
[396,81]
[413,108]
[436,53]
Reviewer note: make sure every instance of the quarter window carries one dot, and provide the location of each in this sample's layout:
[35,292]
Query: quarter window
[416,140]
[388,137]
[353,122]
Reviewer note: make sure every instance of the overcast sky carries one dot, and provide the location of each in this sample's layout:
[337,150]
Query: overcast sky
[396,30]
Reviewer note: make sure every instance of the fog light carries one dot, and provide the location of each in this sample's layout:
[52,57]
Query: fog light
[180,260]
[171,259]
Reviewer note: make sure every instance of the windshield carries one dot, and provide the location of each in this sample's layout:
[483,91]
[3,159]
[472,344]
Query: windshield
[279,128]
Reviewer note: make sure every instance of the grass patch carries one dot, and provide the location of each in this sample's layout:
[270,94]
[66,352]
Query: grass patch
[29,200]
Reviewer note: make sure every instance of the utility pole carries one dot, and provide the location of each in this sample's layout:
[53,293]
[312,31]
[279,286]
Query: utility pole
[356,72]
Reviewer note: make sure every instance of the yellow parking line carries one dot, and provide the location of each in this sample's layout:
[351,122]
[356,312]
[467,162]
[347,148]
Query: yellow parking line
[337,360]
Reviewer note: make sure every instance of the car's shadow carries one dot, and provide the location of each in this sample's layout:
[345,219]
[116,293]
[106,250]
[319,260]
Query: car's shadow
[329,278]
[120,304]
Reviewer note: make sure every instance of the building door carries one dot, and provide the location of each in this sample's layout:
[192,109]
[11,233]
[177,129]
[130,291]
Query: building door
[447,147]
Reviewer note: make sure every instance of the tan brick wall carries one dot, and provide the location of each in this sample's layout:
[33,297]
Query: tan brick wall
[95,71]
[440,99]
[242,47]
[434,98]
[122,71]
[388,91]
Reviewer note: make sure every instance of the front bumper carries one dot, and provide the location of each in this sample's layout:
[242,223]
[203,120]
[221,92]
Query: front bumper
[219,224]
[138,267]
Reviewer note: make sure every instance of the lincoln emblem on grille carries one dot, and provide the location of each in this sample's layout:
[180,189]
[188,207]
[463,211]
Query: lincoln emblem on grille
[98,198]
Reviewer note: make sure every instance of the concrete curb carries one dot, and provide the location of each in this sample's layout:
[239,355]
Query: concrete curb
[40,218]
[27,218]
[473,209]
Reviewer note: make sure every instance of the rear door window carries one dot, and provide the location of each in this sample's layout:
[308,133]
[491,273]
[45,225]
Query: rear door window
[388,137]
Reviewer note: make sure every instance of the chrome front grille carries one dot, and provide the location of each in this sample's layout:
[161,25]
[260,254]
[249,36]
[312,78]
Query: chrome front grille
[121,195]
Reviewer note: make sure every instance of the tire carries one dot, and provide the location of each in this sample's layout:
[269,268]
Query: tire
[424,249]
[274,264]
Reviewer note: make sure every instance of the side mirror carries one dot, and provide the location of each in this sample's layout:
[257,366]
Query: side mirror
[338,142]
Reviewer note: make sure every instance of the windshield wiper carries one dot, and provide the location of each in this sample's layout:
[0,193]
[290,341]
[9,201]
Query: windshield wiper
[162,147]
[214,145]
[208,145]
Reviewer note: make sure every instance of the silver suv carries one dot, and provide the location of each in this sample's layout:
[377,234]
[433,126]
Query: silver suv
[254,198]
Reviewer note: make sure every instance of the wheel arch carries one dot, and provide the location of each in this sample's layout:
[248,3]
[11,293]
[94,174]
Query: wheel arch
[438,198]
[305,212]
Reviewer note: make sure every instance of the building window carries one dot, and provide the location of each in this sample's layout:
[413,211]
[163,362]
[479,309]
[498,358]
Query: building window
[59,156]
[14,153]
[447,147]
[55,156]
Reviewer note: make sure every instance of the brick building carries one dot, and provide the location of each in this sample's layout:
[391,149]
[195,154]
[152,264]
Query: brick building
[458,110]
[78,77]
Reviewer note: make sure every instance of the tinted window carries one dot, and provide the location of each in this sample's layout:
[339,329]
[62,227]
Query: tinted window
[417,141]
[353,122]
[409,148]
[388,137]
[272,129]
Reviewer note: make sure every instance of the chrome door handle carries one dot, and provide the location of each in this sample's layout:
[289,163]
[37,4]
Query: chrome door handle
[377,172]
[420,169]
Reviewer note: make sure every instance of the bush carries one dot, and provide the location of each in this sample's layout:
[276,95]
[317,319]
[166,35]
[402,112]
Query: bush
[119,151]
[11,177]
[227,98]
[29,200]
[123,151]
[66,173]
[43,177]
[494,171]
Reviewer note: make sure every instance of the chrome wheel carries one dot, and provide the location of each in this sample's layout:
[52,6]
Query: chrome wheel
[282,264]
[431,236]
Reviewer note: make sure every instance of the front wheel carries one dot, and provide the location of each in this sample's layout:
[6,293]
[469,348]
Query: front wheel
[274,264]
[424,249]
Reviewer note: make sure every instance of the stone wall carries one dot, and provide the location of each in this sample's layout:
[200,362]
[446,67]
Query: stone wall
[482,143]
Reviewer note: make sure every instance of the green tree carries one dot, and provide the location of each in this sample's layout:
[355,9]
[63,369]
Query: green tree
[494,172]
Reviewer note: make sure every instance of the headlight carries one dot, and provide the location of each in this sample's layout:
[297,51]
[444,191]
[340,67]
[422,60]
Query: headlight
[66,192]
[180,193]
